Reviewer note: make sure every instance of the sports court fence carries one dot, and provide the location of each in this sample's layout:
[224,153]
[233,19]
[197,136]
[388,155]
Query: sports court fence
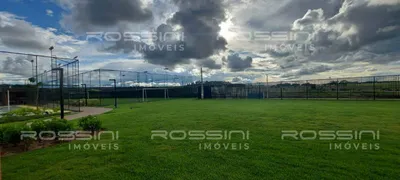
[42,88]
[99,86]
[357,88]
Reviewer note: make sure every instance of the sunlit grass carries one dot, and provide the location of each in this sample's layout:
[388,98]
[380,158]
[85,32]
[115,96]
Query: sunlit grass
[140,157]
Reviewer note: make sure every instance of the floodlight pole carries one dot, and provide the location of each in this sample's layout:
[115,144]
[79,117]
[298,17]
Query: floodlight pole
[86,94]
[115,92]
[61,70]
[37,84]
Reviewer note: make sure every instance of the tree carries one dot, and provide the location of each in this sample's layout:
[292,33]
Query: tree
[32,80]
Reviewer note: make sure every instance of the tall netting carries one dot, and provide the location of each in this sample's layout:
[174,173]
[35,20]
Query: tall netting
[30,80]
[355,88]
[49,86]
[129,86]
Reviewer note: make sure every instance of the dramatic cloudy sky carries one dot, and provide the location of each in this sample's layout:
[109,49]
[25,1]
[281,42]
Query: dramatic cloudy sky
[234,40]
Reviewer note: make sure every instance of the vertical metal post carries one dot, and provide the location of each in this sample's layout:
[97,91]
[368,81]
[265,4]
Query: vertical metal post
[267,87]
[337,89]
[86,94]
[100,86]
[8,99]
[202,84]
[61,71]
[37,84]
[143,94]
[281,91]
[374,88]
[115,94]
[62,93]
[307,90]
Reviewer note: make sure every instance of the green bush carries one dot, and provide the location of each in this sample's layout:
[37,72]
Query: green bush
[12,135]
[1,134]
[90,123]
[38,126]
[56,125]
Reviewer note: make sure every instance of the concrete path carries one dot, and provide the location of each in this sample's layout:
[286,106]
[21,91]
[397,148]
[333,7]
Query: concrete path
[86,111]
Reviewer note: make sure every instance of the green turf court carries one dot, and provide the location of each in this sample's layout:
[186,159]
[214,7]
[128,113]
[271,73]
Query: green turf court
[268,156]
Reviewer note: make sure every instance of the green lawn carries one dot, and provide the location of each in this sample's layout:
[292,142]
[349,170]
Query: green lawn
[268,157]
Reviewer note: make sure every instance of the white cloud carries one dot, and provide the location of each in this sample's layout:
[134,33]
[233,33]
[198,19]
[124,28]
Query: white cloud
[49,12]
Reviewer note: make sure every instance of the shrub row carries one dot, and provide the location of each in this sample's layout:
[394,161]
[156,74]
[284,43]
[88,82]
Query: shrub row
[12,134]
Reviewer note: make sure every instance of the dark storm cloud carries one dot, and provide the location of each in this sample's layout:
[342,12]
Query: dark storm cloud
[87,15]
[306,71]
[360,31]
[19,65]
[356,25]
[199,22]
[236,63]
[279,14]
[209,63]
[17,33]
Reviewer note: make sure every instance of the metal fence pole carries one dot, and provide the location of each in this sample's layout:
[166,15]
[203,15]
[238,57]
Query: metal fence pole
[307,90]
[337,89]
[281,91]
[374,87]
[100,86]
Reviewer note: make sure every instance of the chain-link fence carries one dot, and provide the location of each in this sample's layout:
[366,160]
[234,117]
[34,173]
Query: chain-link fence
[100,91]
[357,88]
[49,87]
[33,80]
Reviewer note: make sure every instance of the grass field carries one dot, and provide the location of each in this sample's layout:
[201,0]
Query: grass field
[268,156]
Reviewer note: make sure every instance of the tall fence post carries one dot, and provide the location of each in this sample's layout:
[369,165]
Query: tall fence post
[307,90]
[281,91]
[374,87]
[100,86]
[337,89]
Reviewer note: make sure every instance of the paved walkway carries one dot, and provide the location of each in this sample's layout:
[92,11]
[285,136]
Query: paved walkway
[86,111]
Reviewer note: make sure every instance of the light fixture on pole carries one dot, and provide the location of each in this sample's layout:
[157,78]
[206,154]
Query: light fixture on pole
[32,68]
[51,56]
[145,75]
